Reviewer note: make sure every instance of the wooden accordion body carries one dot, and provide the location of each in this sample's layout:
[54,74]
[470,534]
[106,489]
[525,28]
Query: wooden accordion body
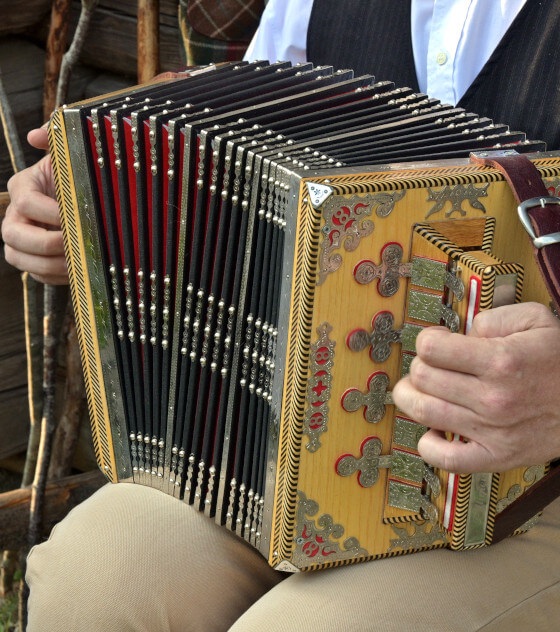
[245,303]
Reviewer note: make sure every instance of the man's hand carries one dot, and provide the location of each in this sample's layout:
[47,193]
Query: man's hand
[31,228]
[498,387]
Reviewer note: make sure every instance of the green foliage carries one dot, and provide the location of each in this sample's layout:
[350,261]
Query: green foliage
[9,613]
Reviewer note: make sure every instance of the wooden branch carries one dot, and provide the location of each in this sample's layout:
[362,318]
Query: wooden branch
[51,336]
[71,57]
[33,311]
[55,47]
[148,39]
[10,131]
[67,432]
[61,497]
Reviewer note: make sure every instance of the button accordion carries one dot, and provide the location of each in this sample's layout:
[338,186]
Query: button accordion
[253,249]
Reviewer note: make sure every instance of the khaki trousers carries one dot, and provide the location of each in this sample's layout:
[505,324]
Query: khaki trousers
[131,558]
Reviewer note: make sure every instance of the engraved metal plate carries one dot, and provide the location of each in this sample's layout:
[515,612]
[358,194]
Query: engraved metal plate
[479,505]
[428,273]
[408,466]
[425,306]
[430,309]
[406,361]
[405,496]
[407,433]
[318,193]
[409,334]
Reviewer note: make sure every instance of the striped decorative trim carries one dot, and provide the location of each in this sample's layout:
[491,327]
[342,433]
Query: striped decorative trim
[296,376]
[81,298]
[489,231]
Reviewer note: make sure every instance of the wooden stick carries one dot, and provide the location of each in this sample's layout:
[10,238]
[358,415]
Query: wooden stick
[55,47]
[10,131]
[61,497]
[67,432]
[148,39]
[71,57]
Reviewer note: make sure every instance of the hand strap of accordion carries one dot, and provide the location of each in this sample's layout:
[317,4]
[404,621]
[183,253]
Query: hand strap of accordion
[538,211]
[540,214]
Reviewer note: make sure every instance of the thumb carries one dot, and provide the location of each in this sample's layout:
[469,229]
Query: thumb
[510,319]
[38,138]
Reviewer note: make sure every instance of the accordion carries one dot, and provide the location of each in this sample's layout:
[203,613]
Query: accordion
[253,250]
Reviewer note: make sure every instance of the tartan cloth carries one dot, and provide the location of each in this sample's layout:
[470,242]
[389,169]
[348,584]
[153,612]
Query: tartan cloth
[215,31]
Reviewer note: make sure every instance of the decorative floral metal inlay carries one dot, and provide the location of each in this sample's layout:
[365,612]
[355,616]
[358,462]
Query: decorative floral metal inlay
[422,536]
[383,336]
[373,400]
[319,387]
[345,225]
[387,272]
[315,539]
[456,196]
[367,465]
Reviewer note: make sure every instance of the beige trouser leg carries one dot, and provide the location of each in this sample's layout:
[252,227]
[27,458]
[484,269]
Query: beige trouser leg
[513,586]
[131,558]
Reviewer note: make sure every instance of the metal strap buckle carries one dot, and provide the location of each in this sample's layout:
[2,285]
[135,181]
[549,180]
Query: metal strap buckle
[522,211]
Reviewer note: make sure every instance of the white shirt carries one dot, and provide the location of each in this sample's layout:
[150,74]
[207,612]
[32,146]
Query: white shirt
[451,39]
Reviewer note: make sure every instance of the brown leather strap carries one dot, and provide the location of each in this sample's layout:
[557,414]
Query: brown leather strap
[542,215]
[529,504]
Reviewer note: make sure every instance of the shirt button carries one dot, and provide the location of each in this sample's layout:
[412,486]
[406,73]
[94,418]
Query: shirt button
[441,58]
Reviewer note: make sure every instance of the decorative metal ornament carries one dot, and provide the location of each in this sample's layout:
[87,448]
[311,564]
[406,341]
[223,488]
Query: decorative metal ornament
[345,225]
[374,400]
[434,275]
[367,465]
[318,193]
[422,536]
[456,196]
[315,539]
[383,336]
[429,308]
[387,273]
[407,433]
[409,497]
[319,387]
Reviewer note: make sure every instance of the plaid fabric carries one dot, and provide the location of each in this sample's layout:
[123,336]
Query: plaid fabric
[217,31]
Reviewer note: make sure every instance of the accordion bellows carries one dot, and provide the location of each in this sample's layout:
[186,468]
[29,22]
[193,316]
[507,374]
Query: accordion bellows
[253,250]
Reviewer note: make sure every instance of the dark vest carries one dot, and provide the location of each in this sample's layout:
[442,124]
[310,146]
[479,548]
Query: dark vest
[519,85]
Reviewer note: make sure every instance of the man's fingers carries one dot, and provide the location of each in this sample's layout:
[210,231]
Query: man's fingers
[47,269]
[455,456]
[451,386]
[438,347]
[32,240]
[34,206]
[431,410]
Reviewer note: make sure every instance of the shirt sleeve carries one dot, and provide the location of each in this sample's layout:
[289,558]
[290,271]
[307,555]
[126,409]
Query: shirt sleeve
[282,32]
